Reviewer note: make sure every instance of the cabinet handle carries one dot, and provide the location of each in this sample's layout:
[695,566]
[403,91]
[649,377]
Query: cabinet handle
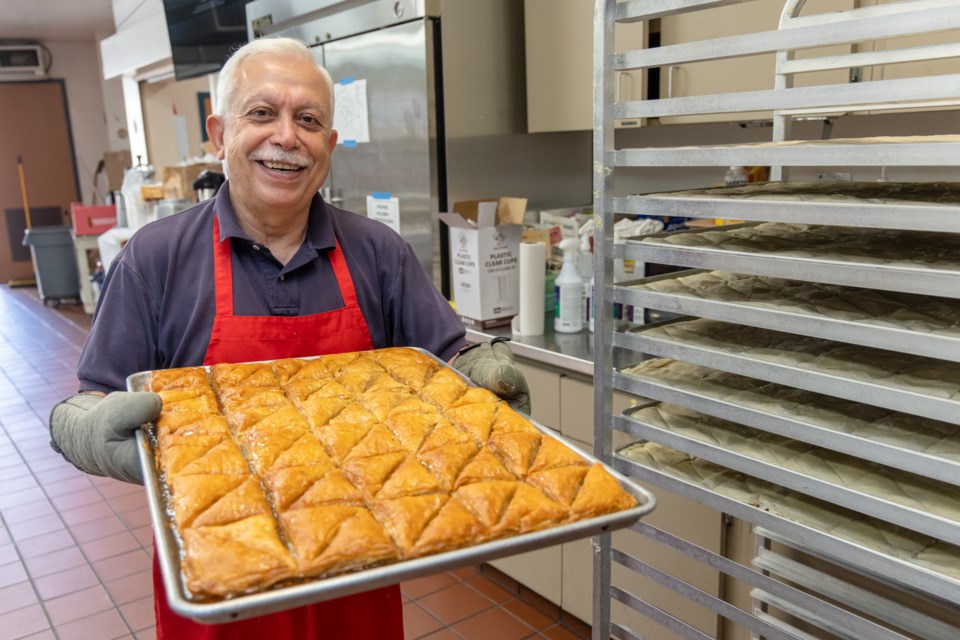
[671,70]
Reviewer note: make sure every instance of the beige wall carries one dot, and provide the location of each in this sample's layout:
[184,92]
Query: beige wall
[77,63]
[158,99]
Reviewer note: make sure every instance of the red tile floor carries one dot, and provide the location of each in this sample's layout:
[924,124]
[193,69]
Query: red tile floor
[75,549]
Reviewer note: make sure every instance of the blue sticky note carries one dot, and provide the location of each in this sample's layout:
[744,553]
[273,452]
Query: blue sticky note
[349,143]
[380,195]
[347,80]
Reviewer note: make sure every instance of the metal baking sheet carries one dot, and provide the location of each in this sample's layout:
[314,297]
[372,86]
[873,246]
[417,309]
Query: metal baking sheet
[295,595]
[781,315]
[875,393]
[879,205]
[871,504]
[868,561]
[888,276]
[911,460]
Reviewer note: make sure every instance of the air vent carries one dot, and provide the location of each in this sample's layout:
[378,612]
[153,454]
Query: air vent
[21,59]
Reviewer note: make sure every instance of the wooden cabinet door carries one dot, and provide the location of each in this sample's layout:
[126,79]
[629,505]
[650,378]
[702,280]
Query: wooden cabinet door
[559,60]
[734,75]
[36,128]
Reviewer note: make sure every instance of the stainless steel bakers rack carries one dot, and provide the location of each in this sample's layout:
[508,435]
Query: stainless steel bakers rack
[817,569]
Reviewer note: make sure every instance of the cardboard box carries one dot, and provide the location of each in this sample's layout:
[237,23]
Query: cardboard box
[178,181]
[92,220]
[485,259]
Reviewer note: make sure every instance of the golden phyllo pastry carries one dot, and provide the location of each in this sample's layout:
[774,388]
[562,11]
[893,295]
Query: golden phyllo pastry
[305,468]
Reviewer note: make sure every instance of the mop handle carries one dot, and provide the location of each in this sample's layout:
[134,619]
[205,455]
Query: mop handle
[23,191]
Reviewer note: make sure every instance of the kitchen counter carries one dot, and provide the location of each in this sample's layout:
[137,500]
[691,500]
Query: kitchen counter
[571,352]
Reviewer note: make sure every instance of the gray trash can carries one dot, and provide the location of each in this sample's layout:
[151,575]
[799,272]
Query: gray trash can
[54,262]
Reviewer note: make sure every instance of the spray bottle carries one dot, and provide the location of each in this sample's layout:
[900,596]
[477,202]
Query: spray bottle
[569,314]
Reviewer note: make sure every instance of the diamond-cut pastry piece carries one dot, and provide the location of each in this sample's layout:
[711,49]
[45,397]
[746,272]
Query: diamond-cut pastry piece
[517,450]
[553,453]
[509,421]
[211,500]
[600,493]
[381,402]
[264,446]
[409,367]
[193,494]
[410,478]
[182,378]
[475,395]
[412,427]
[332,488]
[288,484]
[224,457]
[475,418]
[227,376]
[339,439]
[378,441]
[287,368]
[179,427]
[265,418]
[444,434]
[319,411]
[485,466]
[371,472]
[359,541]
[487,500]
[354,413]
[247,553]
[405,518]
[560,483]
[175,458]
[443,389]
[445,463]
[194,400]
[529,510]
[452,528]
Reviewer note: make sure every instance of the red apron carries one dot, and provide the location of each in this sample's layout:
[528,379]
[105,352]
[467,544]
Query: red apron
[372,615]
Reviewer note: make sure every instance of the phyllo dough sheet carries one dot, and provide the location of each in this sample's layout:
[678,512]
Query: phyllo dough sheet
[304,468]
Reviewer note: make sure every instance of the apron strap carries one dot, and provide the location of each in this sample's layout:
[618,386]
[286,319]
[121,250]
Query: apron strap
[222,272]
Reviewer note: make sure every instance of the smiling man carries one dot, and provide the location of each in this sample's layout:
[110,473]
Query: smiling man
[264,270]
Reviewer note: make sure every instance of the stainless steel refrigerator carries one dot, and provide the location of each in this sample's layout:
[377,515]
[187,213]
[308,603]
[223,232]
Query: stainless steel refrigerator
[431,110]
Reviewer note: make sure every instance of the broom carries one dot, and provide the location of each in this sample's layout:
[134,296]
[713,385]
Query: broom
[26,282]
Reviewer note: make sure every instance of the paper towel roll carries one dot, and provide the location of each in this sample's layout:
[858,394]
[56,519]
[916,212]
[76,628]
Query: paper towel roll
[533,264]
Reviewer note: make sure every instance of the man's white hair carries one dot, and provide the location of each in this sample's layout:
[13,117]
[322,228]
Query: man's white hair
[290,47]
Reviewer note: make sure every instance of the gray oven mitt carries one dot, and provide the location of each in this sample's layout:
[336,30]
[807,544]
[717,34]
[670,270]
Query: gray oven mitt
[491,366]
[98,434]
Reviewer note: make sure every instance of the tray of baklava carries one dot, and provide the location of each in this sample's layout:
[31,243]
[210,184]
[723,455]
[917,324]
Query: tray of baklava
[926,206]
[928,506]
[277,484]
[913,384]
[929,448]
[910,261]
[868,545]
[905,322]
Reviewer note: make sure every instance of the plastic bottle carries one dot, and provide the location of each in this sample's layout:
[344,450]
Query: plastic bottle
[735,177]
[568,317]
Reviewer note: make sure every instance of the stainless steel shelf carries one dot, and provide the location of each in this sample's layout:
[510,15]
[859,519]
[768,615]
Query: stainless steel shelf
[851,595]
[782,315]
[711,402]
[915,518]
[898,570]
[887,275]
[793,373]
[920,151]
[884,205]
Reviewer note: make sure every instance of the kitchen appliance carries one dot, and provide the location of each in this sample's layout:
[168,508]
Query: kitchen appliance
[430,110]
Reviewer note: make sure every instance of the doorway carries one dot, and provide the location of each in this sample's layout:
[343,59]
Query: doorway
[35,127]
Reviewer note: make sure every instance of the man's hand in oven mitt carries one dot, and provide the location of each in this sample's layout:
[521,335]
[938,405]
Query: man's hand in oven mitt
[491,366]
[98,434]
